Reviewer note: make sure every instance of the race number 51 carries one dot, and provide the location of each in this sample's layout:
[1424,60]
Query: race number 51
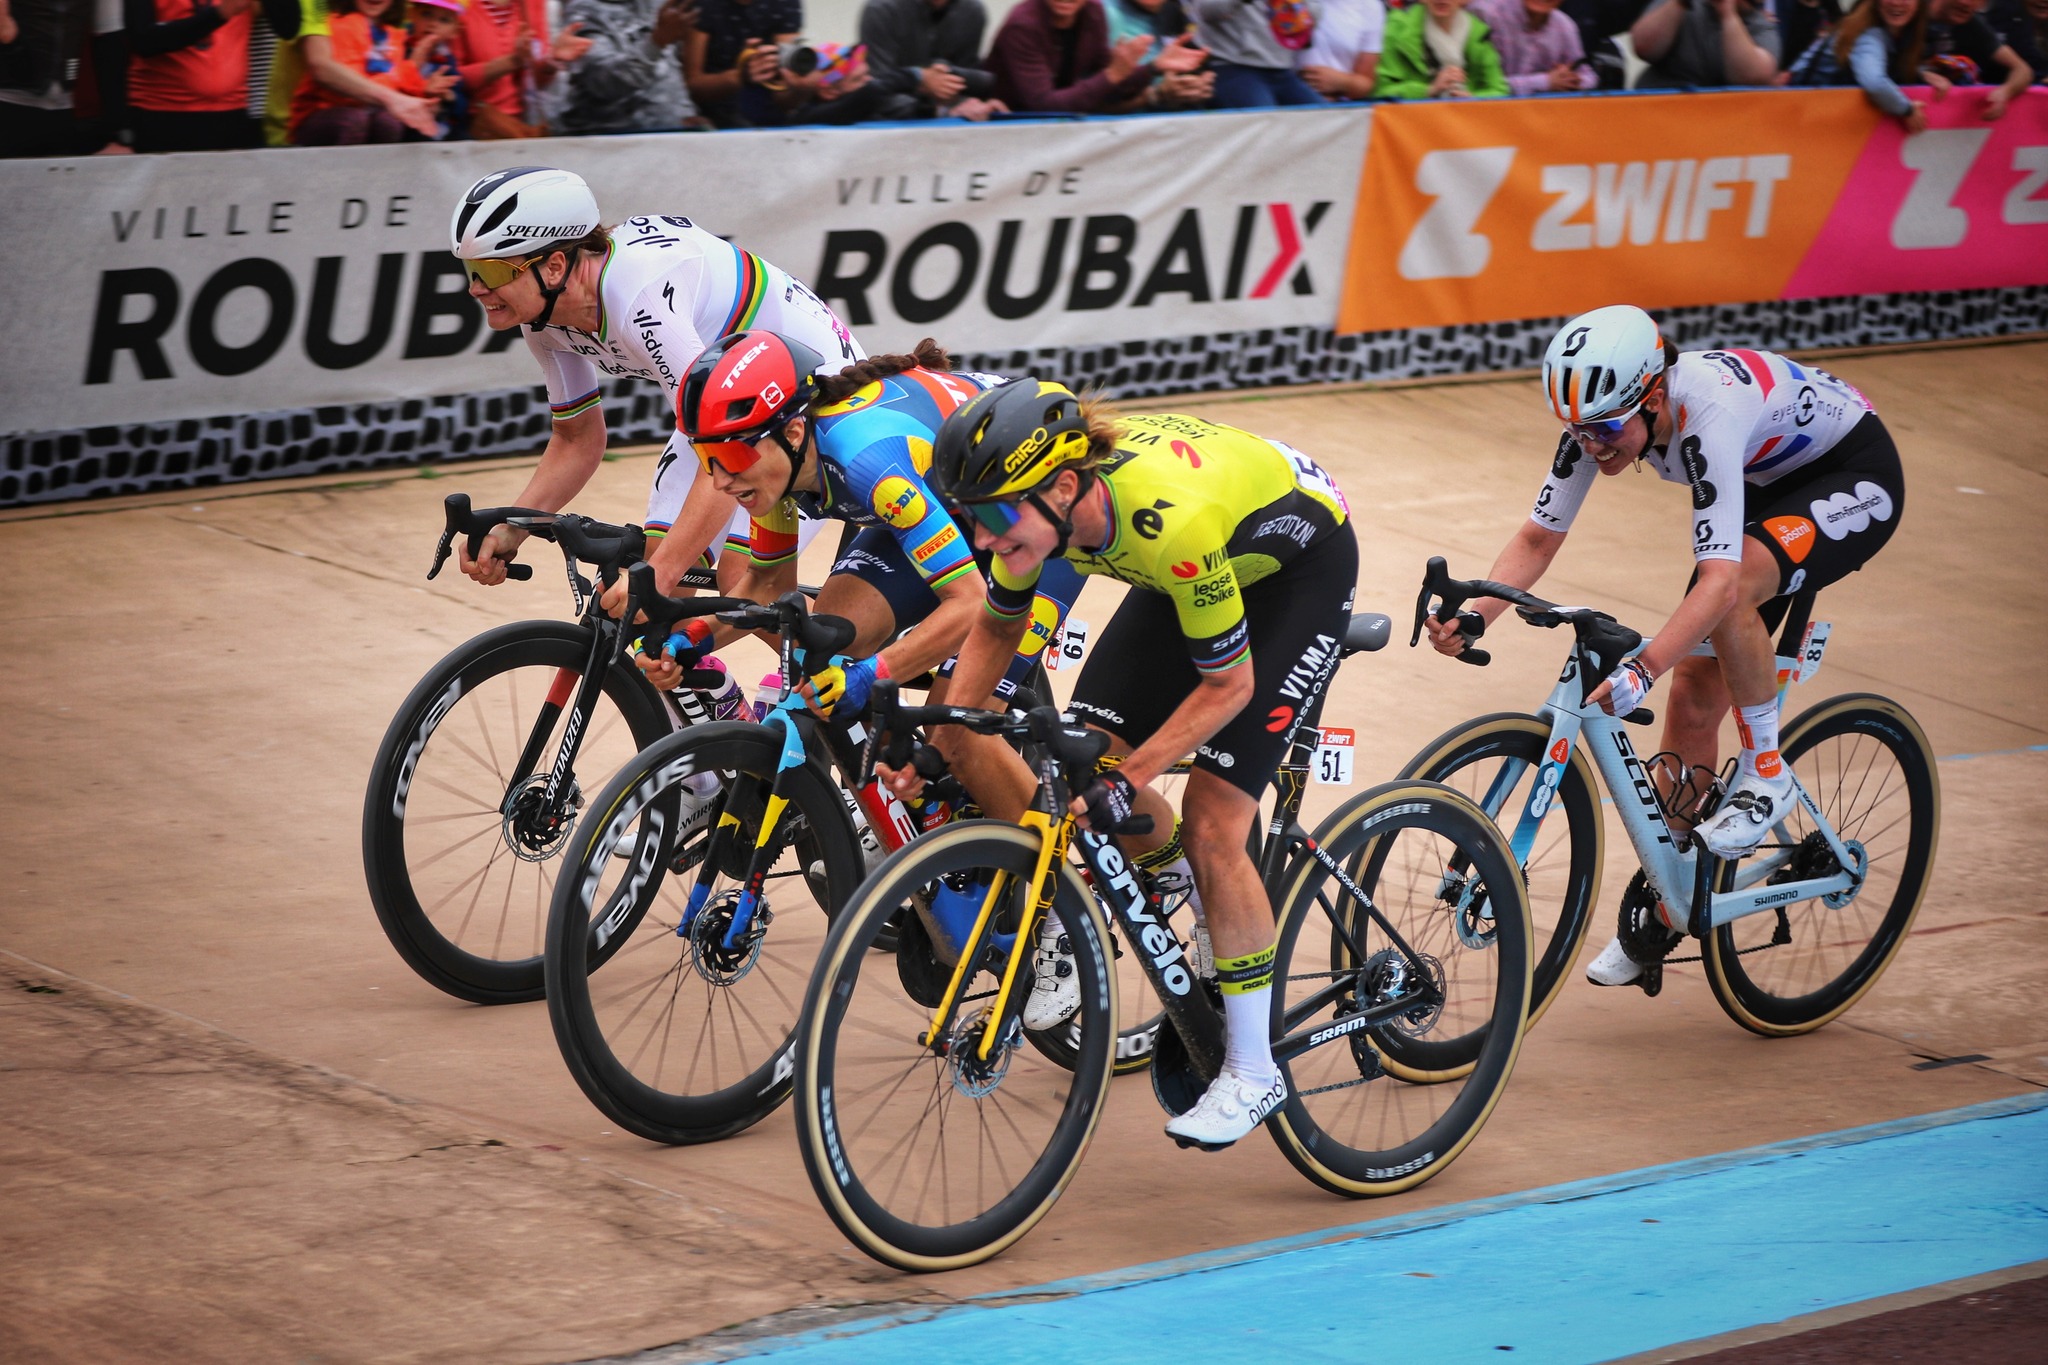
[1333,757]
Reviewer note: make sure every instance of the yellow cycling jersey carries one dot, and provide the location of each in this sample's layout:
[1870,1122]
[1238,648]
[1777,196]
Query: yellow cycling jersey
[1198,510]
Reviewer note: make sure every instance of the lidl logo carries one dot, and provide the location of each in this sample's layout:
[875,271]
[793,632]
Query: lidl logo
[899,502]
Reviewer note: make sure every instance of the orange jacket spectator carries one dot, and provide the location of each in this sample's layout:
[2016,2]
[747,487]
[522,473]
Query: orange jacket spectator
[375,48]
[188,74]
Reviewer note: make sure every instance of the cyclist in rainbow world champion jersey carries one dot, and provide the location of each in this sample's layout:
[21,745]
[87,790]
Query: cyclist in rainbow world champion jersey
[853,447]
[644,299]
[1795,484]
[1243,561]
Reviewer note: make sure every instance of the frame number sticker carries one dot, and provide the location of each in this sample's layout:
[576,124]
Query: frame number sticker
[1333,757]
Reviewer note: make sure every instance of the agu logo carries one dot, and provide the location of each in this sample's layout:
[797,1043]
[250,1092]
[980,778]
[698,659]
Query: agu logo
[1187,568]
[1795,534]
[899,502]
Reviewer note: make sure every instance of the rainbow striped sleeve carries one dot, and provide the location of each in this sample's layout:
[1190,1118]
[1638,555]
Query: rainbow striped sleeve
[751,292]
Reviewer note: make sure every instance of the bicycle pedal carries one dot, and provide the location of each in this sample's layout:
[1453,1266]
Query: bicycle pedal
[1652,978]
[1185,1143]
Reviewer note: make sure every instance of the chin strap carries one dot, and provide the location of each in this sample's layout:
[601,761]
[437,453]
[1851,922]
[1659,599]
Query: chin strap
[795,453]
[550,294]
[1063,524]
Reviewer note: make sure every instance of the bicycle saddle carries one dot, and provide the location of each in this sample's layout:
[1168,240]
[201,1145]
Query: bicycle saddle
[1368,631]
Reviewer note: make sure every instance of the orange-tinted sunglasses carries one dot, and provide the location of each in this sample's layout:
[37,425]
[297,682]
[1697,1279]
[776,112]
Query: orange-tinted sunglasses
[496,274]
[734,457]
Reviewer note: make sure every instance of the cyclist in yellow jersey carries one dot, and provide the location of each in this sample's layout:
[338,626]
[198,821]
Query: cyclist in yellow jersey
[1243,557]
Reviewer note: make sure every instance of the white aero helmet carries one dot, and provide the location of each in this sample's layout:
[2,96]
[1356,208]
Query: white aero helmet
[521,212]
[1601,364]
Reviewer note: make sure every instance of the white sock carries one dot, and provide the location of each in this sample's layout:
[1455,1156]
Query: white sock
[702,784]
[1758,727]
[1249,1047]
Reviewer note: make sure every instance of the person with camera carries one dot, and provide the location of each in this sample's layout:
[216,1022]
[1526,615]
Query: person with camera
[748,66]
[929,52]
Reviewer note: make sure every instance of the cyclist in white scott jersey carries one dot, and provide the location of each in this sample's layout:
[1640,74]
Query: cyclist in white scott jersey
[644,298]
[1795,483]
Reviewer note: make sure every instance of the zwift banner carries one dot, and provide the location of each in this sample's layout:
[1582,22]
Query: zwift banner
[1480,212]
[191,286]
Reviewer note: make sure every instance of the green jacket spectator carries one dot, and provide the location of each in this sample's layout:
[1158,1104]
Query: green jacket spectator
[1412,65]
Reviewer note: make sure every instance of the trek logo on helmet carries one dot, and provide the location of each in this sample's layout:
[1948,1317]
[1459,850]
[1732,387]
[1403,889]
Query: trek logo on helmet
[739,366]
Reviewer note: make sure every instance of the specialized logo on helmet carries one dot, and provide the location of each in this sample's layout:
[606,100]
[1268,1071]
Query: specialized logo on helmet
[898,502]
[752,354]
[545,229]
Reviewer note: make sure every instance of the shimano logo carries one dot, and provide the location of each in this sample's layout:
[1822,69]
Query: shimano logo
[1777,898]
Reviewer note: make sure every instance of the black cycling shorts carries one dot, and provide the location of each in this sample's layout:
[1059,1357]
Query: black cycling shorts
[1823,522]
[1138,673]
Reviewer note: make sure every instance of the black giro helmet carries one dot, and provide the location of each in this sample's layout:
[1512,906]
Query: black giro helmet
[1007,441]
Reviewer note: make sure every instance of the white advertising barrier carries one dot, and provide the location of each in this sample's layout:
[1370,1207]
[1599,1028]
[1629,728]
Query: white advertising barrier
[157,288]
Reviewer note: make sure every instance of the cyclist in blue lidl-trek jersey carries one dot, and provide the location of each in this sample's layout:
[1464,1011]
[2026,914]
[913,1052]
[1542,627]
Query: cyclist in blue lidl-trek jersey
[853,447]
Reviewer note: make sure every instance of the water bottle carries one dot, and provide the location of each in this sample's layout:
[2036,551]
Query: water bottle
[726,701]
[766,693]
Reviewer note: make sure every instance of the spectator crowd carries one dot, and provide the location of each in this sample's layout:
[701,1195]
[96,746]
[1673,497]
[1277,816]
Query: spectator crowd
[115,76]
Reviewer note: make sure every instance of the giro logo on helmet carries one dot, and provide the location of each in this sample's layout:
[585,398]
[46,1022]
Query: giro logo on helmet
[1028,450]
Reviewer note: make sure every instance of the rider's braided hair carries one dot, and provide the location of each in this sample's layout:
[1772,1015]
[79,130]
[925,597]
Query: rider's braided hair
[927,354]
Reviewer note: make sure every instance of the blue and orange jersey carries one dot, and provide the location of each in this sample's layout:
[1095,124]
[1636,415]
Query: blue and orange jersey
[873,449]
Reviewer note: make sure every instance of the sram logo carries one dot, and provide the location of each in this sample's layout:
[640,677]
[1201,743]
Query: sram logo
[1591,206]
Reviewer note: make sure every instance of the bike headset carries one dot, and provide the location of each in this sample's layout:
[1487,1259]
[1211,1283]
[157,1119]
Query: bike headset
[1005,446]
[524,211]
[746,386]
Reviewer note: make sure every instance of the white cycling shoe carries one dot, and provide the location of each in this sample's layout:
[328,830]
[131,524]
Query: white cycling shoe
[1747,815]
[1055,986]
[1614,967]
[1230,1108]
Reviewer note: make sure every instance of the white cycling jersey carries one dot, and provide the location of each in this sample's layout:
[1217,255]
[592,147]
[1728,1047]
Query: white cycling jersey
[669,289]
[1740,417]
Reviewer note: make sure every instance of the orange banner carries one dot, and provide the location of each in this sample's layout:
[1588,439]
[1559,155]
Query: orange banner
[1471,211]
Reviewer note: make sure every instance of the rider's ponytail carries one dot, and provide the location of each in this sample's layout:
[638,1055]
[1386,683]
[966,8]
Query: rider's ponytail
[927,354]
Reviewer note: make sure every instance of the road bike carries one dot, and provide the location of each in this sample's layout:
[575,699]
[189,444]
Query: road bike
[935,1139]
[1790,935]
[686,1036]
[479,777]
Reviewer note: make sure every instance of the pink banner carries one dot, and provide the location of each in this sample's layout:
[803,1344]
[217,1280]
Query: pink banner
[1963,205]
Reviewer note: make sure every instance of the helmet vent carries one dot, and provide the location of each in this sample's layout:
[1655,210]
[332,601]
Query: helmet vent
[738,408]
[498,215]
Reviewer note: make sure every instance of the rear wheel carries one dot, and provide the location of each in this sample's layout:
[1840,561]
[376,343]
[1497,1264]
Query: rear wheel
[461,842]
[1383,1094]
[674,995]
[1788,970]
[933,1157]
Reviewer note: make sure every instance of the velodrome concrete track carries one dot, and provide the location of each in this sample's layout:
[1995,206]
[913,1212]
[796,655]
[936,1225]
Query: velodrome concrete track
[233,1126]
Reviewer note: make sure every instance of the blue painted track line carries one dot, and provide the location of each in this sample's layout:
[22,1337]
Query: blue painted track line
[1572,1274]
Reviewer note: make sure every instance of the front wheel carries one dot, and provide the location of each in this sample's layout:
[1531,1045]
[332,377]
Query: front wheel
[1789,970]
[673,993]
[1399,1001]
[936,1153]
[1500,763]
[462,839]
